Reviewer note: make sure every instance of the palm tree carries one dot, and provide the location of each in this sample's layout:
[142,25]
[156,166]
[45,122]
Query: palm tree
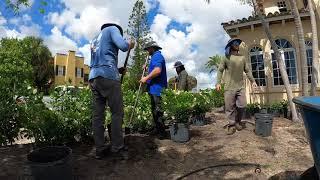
[315,49]
[214,62]
[302,46]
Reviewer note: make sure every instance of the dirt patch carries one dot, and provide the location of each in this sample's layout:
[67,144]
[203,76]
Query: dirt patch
[210,154]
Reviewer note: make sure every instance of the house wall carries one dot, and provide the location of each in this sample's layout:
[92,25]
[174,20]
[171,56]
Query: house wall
[256,37]
[71,62]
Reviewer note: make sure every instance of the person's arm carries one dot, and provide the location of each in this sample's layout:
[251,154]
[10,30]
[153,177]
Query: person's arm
[118,40]
[183,81]
[248,72]
[221,69]
[156,71]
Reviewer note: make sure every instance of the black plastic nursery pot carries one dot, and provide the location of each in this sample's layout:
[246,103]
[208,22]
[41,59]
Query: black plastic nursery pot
[199,120]
[263,124]
[51,163]
[179,132]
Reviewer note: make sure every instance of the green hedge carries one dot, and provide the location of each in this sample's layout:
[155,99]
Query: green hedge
[68,119]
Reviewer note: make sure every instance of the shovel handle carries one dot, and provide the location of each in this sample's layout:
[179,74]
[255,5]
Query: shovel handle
[125,64]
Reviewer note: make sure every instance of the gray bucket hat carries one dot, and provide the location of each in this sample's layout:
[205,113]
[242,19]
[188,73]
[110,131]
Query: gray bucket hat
[177,64]
[151,44]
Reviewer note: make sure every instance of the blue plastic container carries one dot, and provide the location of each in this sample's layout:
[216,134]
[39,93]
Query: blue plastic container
[310,107]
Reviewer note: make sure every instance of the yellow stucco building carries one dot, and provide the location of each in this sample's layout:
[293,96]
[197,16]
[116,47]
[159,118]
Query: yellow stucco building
[256,47]
[70,70]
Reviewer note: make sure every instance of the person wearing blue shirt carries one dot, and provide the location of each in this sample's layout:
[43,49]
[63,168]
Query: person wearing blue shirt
[105,84]
[156,81]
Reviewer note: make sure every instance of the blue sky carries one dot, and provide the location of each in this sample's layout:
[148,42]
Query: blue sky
[189,31]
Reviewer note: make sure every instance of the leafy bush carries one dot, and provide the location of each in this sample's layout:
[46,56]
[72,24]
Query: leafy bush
[201,104]
[68,121]
[178,105]
[15,78]
[253,108]
[215,97]
[142,119]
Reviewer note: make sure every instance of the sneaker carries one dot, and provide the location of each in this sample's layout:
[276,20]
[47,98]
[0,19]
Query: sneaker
[122,153]
[240,126]
[231,129]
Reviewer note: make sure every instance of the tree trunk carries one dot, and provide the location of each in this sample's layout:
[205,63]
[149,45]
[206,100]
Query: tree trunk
[280,61]
[302,47]
[315,50]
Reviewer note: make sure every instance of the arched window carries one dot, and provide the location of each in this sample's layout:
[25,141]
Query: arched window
[288,55]
[257,65]
[309,59]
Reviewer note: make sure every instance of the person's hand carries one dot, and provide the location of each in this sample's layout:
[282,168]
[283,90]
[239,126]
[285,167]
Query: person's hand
[144,80]
[218,87]
[131,44]
[122,70]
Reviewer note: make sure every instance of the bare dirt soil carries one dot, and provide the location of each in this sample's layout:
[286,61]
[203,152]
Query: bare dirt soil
[286,153]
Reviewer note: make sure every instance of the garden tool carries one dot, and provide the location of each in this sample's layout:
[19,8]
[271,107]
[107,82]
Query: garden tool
[125,64]
[138,92]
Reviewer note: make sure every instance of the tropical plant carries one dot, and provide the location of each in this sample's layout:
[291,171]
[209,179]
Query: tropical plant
[214,62]
[178,105]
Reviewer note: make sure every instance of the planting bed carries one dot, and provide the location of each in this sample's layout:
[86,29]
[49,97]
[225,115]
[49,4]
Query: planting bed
[286,152]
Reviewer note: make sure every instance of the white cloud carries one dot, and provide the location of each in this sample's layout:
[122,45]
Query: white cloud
[83,18]
[59,43]
[2,20]
[85,51]
[32,30]
[203,36]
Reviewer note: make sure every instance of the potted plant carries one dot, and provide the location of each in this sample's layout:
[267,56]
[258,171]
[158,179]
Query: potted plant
[201,105]
[284,105]
[178,106]
[275,109]
[252,109]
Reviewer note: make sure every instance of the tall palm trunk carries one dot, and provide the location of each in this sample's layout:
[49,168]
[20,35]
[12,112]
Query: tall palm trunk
[302,47]
[315,49]
[280,61]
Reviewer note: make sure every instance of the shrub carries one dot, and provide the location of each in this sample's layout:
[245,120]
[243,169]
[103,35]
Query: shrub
[67,121]
[142,119]
[201,104]
[178,105]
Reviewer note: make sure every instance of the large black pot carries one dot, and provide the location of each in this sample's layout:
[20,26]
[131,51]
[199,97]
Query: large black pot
[179,132]
[199,120]
[51,163]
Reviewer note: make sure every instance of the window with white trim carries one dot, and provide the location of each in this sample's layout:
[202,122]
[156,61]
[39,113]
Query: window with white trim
[257,65]
[288,55]
[78,71]
[60,70]
[309,59]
